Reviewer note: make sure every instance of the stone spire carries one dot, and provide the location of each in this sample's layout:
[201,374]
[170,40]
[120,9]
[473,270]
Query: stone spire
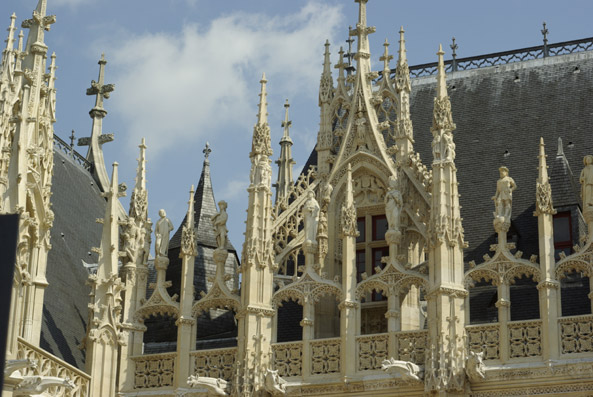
[548,286]
[103,335]
[10,39]
[404,132]
[447,294]
[326,94]
[257,266]
[261,143]
[285,161]
[97,139]
[341,66]
[385,58]
[362,32]
[36,48]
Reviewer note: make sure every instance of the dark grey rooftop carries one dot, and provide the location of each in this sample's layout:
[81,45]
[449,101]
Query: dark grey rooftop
[76,202]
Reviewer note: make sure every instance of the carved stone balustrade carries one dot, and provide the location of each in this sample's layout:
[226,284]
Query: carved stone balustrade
[484,339]
[216,363]
[50,365]
[576,334]
[288,358]
[154,371]
[371,351]
[525,339]
[412,346]
[325,356]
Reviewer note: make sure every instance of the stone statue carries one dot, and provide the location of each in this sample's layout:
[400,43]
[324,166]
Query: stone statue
[215,386]
[274,384]
[393,204]
[436,146]
[219,223]
[161,232]
[322,229]
[448,146]
[131,238]
[406,369]
[311,217]
[503,199]
[474,367]
[586,180]
[261,174]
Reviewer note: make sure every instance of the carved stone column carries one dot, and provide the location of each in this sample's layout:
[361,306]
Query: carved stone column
[308,334]
[185,322]
[504,313]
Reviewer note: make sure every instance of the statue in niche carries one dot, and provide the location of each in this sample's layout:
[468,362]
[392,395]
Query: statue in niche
[261,174]
[586,180]
[311,217]
[436,146]
[131,237]
[393,204]
[448,146]
[322,230]
[503,199]
[161,232]
[219,223]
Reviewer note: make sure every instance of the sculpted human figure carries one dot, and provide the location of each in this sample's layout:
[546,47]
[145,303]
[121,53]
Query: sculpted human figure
[311,216]
[586,180]
[503,199]
[219,222]
[131,237]
[448,146]
[393,204]
[161,232]
[327,195]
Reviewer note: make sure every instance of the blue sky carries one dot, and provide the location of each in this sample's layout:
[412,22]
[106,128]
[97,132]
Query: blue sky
[187,72]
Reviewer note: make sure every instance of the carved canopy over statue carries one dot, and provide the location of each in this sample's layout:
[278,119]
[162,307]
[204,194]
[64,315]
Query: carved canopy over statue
[311,217]
[219,223]
[503,199]
[586,180]
[161,232]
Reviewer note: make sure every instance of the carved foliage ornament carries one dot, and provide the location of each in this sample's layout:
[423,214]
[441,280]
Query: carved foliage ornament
[402,77]
[442,117]
[348,221]
[543,199]
[261,143]
[188,241]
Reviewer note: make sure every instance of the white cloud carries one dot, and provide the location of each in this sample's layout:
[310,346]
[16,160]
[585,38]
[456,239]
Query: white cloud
[185,86]
[57,3]
[234,189]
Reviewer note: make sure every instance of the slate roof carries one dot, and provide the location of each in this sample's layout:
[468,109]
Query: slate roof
[508,108]
[77,203]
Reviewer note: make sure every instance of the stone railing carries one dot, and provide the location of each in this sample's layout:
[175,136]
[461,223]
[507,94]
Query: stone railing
[372,350]
[217,363]
[288,358]
[525,338]
[154,370]
[576,334]
[325,356]
[484,338]
[411,345]
[50,365]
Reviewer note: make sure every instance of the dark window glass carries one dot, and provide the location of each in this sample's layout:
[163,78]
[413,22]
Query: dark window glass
[361,230]
[562,234]
[360,264]
[378,253]
[379,227]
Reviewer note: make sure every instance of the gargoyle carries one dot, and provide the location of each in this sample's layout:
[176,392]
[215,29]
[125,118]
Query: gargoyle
[474,366]
[406,369]
[38,384]
[215,386]
[274,384]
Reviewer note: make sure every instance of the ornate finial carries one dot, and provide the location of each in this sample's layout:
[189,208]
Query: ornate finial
[98,88]
[262,115]
[560,152]
[362,31]
[11,30]
[326,60]
[349,40]
[454,48]
[543,190]
[386,58]
[207,151]
[545,32]
[286,123]
[441,82]
[72,140]
[341,65]
[402,46]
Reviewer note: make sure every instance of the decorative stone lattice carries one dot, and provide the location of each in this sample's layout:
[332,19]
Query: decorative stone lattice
[49,365]
[576,334]
[484,338]
[372,350]
[525,339]
[412,346]
[288,358]
[325,356]
[154,370]
[215,363]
